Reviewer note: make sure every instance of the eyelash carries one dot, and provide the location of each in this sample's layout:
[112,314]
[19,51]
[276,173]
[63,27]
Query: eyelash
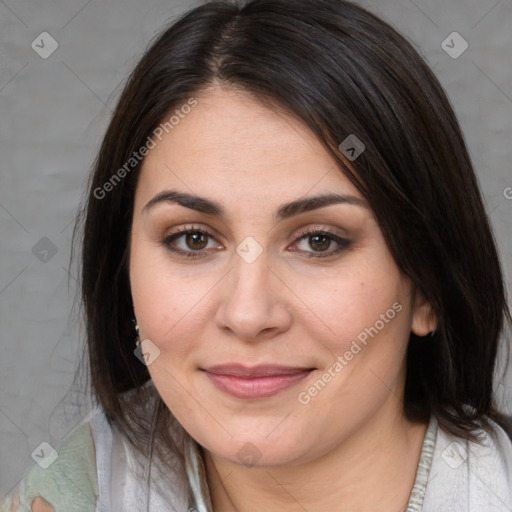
[342,242]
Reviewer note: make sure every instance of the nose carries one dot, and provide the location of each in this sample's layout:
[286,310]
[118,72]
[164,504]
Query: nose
[254,301]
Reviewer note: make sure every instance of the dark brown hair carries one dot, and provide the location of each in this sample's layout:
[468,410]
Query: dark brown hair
[341,71]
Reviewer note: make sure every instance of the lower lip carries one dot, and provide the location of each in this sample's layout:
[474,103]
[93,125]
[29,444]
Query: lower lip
[255,387]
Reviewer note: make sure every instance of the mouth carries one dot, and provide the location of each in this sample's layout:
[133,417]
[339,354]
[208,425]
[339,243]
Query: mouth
[256,382]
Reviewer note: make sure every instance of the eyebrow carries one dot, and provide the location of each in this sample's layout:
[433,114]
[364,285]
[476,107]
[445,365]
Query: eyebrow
[285,211]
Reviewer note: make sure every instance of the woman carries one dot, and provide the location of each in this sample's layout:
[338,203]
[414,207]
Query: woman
[293,297]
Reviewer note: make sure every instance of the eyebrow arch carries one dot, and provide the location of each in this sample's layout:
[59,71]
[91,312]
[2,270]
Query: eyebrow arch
[285,211]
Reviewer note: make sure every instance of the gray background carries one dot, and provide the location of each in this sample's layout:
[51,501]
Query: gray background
[53,114]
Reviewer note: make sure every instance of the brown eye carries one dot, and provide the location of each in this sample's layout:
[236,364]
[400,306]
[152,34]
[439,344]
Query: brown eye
[320,242]
[317,244]
[196,241]
[191,243]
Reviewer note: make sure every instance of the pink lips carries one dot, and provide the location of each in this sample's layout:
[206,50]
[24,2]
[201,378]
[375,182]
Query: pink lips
[258,382]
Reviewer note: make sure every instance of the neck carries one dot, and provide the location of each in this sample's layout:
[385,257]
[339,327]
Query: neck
[373,469]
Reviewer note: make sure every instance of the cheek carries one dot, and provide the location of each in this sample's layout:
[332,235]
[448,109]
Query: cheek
[343,306]
[365,363]
[171,305]
[170,310]
[361,322]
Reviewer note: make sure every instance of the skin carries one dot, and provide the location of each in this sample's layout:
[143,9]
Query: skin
[41,505]
[38,505]
[350,447]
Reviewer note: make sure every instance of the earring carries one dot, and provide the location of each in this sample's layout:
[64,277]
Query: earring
[137,338]
[433,332]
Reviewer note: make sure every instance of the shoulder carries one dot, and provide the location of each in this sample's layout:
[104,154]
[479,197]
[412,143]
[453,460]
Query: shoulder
[468,476]
[96,468]
[63,479]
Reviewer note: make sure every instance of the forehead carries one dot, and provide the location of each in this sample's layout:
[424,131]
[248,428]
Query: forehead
[232,144]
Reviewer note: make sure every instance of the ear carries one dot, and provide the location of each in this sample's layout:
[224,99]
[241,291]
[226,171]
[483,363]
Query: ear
[424,320]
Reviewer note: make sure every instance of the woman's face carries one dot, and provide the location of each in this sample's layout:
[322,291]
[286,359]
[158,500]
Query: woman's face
[249,286]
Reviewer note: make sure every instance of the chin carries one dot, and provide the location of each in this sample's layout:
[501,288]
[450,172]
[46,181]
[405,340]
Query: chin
[256,451]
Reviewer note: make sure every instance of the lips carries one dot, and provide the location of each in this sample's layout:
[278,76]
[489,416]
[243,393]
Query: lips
[256,382]
[239,370]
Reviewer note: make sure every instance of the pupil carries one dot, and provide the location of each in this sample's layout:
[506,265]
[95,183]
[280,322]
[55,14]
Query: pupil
[195,238]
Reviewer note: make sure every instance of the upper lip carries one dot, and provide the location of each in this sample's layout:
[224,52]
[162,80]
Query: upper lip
[266,370]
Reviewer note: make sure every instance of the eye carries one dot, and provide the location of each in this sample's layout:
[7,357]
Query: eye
[194,242]
[320,241]
[190,242]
